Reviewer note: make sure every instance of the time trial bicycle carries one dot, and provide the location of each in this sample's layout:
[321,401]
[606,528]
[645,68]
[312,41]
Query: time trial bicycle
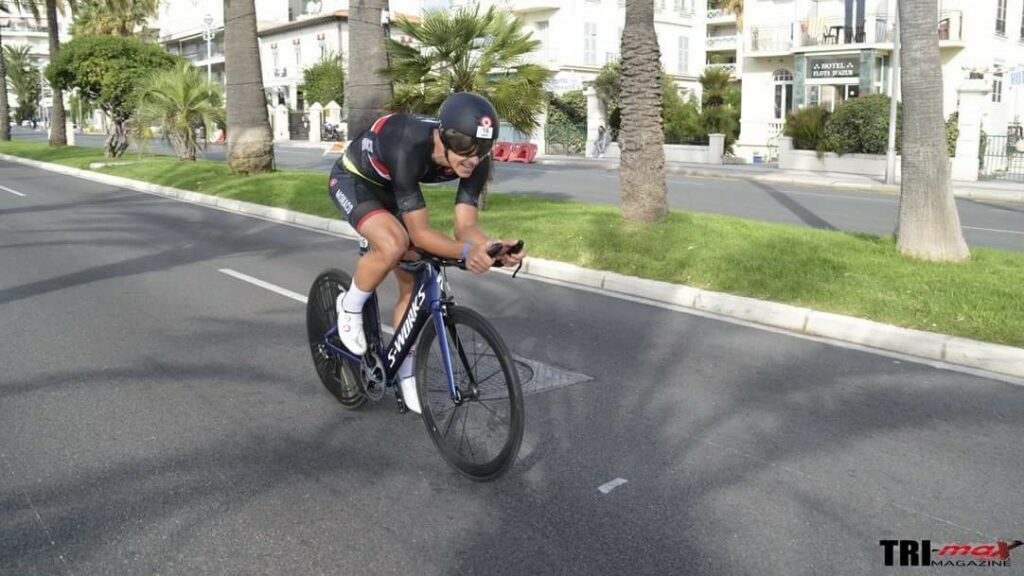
[467,382]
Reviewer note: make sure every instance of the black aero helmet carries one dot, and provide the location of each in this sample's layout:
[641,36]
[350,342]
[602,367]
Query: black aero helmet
[469,124]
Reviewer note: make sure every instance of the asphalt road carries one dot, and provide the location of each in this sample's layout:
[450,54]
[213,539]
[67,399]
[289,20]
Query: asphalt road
[985,223]
[160,416]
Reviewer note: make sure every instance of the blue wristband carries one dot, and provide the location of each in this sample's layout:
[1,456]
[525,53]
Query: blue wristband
[465,250]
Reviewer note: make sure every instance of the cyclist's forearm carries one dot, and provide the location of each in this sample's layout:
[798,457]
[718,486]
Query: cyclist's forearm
[471,234]
[437,243]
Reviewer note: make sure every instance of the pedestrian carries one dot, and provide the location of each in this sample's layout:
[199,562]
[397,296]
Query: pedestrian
[601,143]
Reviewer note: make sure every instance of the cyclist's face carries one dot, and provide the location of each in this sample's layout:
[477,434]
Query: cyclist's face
[463,165]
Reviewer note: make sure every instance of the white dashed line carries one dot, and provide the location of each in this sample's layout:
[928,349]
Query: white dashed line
[265,285]
[15,192]
[992,230]
[609,486]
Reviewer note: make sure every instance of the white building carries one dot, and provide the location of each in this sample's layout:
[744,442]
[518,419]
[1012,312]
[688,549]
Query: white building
[20,28]
[293,35]
[724,46]
[578,37]
[807,52]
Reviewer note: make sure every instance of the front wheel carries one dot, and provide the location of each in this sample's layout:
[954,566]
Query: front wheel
[479,437]
[338,375]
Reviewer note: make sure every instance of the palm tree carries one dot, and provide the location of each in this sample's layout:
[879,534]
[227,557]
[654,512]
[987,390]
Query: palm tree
[466,51]
[58,134]
[113,17]
[5,108]
[179,101]
[641,139]
[250,141]
[368,91]
[23,76]
[929,225]
[734,7]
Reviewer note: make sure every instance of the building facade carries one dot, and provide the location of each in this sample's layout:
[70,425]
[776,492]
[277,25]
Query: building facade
[578,37]
[823,52]
[293,35]
[20,28]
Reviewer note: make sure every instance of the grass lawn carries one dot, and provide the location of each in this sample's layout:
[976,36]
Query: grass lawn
[854,274]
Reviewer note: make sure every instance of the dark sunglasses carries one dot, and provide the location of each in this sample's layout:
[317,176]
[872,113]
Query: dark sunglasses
[468,146]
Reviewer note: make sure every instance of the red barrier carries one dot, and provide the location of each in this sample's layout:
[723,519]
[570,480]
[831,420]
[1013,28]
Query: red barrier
[523,152]
[501,150]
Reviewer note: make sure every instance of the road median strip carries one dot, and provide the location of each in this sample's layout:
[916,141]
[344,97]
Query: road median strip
[992,358]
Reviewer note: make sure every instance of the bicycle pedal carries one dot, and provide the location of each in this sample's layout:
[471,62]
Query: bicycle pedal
[402,408]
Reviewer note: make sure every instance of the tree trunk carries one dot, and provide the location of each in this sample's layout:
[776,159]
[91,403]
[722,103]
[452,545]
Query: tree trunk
[117,139]
[250,141]
[5,107]
[368,91]
[641,139]
[929,225]
[58,134]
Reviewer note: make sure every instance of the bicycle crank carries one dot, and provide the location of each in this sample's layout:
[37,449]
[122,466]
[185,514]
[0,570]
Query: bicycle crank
[373,376]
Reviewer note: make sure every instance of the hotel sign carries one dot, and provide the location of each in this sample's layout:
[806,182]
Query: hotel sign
[829,67]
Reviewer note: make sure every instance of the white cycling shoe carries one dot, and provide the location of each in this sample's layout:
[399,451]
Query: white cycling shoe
[350,329]
[409,396]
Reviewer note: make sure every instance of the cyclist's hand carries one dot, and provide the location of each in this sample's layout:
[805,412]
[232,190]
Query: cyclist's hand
[512,260]
[478,261]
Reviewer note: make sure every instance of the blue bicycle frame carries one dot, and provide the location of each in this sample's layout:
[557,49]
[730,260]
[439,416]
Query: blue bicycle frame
[426,303]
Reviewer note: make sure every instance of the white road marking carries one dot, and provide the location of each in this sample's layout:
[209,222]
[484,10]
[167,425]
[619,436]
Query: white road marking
[609,486]
[15,192]
[542,377]
[279,290]
[992,230]
[265,285]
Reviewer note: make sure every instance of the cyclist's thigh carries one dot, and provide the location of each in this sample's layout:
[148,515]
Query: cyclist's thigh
[383,232]
[353,197]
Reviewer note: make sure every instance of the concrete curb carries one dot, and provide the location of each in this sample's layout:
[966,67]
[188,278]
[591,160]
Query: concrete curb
[995,358]
[965,190]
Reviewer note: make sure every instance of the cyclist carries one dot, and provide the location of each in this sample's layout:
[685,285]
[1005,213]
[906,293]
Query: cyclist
[376,185]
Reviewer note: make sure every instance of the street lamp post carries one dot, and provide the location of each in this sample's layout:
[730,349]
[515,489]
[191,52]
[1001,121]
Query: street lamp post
[894,80]
[208,35]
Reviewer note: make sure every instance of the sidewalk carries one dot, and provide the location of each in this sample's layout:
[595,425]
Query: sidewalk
[982,190]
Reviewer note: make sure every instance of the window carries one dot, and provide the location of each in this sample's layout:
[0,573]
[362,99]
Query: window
[684,55]
[997,87]
[1001,17]
[274,56]
[298,55]
[784,93]
[590,43]
[542,36]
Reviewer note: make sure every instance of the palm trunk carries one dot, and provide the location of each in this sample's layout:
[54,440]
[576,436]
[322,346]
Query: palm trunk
[641,139]
[58,135]
[5,107]
[929,225]
[368,91]
[250,141]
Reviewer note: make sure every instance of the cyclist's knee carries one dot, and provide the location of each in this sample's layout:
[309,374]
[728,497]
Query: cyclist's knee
[393,246]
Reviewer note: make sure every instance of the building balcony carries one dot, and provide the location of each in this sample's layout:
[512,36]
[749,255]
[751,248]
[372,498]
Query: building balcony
[729,67]
[827,33]
[770,39]
[526,6]
[836,31]
[719,16]
[715,43]
[14,24]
